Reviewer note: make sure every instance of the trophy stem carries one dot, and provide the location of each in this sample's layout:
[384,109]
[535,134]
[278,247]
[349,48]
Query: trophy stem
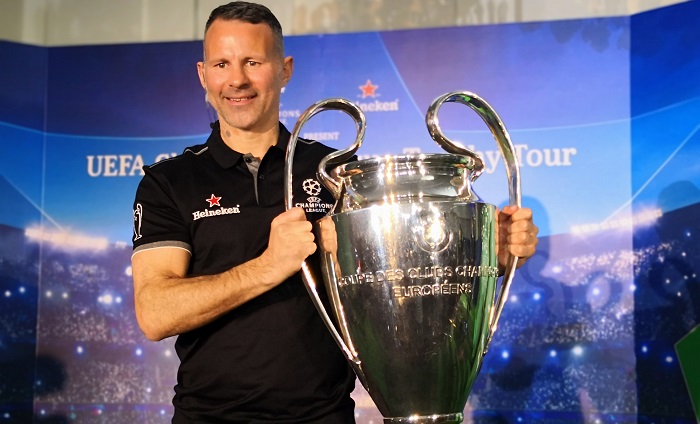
[427,419]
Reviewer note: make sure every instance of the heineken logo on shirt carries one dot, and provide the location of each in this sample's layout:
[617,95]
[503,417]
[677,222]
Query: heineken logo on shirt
[221,210]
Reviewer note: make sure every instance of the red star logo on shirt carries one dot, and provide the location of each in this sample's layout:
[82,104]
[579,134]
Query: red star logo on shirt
[213,201]
[368,90]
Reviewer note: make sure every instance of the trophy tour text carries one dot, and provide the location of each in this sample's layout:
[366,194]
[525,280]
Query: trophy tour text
[127,165]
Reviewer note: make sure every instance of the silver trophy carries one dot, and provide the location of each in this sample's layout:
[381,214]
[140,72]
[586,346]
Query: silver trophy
[408,259]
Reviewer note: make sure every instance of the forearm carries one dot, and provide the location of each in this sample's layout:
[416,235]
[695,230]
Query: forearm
[170,304]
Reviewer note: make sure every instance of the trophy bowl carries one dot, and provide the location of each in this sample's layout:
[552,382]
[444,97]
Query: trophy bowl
[408,260]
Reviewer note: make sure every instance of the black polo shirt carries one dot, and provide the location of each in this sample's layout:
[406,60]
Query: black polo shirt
[271,359]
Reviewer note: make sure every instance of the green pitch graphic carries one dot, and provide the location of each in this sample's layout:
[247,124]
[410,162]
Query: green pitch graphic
[688,350]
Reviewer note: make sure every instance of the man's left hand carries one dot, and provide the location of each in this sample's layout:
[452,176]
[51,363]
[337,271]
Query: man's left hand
[517,233]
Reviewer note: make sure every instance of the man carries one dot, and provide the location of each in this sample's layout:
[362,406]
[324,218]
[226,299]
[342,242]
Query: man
[216,256]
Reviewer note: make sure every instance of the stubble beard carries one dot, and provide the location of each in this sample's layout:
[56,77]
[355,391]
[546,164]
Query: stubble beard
[243,119]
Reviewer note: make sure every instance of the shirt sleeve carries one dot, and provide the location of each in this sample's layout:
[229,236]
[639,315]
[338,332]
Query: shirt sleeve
[157,218]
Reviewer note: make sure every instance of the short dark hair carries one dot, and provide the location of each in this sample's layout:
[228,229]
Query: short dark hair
[248,12]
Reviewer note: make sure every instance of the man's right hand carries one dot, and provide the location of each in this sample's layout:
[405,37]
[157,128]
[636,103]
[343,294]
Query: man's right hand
[291,242]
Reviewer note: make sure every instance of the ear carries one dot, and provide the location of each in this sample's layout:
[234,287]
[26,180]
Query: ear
[200,72]
[287,70]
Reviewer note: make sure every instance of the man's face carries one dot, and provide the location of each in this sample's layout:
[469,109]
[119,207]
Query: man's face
[243,75]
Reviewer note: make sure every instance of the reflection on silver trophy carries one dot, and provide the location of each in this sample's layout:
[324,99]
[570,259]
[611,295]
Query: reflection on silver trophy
[408,259]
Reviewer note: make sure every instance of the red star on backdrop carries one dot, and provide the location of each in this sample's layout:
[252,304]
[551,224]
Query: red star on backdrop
[368,90]
[213,201]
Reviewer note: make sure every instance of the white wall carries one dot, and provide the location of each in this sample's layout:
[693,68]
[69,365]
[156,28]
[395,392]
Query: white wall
[81,22]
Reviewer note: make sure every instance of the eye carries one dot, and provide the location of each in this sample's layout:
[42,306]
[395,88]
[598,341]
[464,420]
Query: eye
[221,65]
[252,63]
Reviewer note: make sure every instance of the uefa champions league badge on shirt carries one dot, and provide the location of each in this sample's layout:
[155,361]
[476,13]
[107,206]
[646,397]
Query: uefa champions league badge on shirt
[313,202]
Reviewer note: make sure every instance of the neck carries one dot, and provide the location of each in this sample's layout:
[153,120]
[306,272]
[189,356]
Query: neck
[254,142]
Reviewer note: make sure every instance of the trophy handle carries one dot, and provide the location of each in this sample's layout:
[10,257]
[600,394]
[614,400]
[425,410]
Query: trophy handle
[335,187]
[499,132]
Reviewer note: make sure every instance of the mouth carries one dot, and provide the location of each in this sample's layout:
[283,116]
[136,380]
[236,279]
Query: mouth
[239,99]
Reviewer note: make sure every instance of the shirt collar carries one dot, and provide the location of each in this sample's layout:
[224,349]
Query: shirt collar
[227,157]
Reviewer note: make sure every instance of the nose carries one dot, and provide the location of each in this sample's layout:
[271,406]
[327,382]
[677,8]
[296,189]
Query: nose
[238,77]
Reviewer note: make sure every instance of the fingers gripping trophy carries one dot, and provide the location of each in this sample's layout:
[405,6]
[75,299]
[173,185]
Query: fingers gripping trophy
[409,263]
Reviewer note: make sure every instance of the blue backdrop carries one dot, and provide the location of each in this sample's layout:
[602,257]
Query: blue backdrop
[604,116]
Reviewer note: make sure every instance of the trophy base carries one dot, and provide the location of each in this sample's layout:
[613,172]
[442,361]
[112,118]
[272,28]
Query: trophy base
[427,419]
